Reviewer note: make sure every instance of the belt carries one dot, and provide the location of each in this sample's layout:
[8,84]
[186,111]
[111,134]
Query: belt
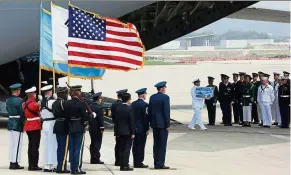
[285,96]
[16,116]
[60,119]
[246,96]
[48,119]
[32,119]
[75,119]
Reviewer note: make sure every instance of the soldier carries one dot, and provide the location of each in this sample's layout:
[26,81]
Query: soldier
[261,76]
[247,99]
[241,82]
[96,129]
[76,110]
[221,83]
[286,74]
[32,126]
[125,130]
[236,98]
[211,103]
[225,97]
[256,84]
[159,116]
[284,102]
[265,99]
[140,108]
[275,106]
[15,126]
[61,129]
[113,109]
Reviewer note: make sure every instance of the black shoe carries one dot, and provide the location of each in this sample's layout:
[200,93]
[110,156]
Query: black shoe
[255,123]
[97,162]
[34,168]
[63,172]
[210,124]
[48,170]
[276,123]
[126,169]
[267,126]
[78,172]
[162,168]
[141,166]
[240,123]
[227,124]
[260,124]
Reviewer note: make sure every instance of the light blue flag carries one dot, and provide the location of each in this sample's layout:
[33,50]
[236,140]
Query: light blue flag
[204,92]
[45,54]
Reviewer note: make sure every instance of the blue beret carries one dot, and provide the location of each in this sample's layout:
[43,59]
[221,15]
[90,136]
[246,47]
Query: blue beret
[161,84]
[121,91]
[97,95]
[15,86]
[141,91]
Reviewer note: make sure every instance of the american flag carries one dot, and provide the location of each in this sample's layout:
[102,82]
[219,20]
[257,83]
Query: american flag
[103,42]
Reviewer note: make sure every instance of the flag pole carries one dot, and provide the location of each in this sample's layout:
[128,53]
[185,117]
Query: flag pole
[69,79]
[92,86]
[39,70]
[54,78]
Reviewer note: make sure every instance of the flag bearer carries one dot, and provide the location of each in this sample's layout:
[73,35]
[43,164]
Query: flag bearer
[275,106]
[49,138]
[247,99]
[32,126]
[211,103]
[256,84]
[15,126]
[284,102]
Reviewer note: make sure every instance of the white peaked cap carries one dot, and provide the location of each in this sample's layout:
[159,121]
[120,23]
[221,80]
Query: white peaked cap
[33,89]
[47,88]
[44,82]
[195,79]
[265,78]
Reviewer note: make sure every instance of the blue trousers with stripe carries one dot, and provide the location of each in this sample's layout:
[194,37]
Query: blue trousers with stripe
[160,146]
[76,147]
[62,152]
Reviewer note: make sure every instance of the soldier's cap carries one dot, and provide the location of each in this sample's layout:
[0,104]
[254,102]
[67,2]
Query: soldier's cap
[235,74]
[15,86]
[241,73]
[141,91]
[266,75]
[255,74]
[286,73]
[247,75]
[61,89]
[196,80]
[224,76]
[97,95]
[210,78]
[161,84]
[261,73]
[276,73]
[284,78]
[77,87]
[122,91]
[47,88]
[30,90]
[44,82]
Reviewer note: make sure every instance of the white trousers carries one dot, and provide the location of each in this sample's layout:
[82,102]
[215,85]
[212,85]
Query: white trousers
[196,119]
[266,114]
[276,116]
[247,113]
[15,146]
[50,148]
[259,112]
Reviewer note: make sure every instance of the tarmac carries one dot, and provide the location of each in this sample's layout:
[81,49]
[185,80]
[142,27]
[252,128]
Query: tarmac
[219,150]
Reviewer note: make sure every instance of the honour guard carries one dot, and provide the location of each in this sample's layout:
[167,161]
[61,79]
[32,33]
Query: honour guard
[275,106]
[113,113]
[197,105]
[284,102]
[237,96]
[159,116]
[61,129]
[140,108]
[15,126]
[256,84]
[261,76]
[32,126]
[225,98]
[265,100]
[211,103]
[247,99]
[96,129]
[49,138]
[125,130]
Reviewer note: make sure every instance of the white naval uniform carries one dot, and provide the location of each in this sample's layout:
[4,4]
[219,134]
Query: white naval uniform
[48,137]
[265,100]
[276,116]
[197,105]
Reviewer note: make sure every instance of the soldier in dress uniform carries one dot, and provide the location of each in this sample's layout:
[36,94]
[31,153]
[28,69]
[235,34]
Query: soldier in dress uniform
[225,98]
[113,113]
[247,100]
[241,82]
[284,102]
[236,98]
[49,138]
[211,103]
[256,84]
[221,83]
[275,106]
[61,129]
[159,116]
[15,126]
[140,108]
[32,126]
[96,129]
[78,116]
[261,75]
[286,74]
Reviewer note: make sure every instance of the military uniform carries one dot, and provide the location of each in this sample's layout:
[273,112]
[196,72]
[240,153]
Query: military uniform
[96,128]
[211,104]
[225,97]
[237,108]
[247,99]
[275,106]
[284,103]
[15,127]
[255,116]
[141,128]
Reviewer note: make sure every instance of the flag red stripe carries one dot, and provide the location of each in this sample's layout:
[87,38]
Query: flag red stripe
[105,57]
[109,48]
[130,43]
[108,66]
[114,24]
[125,34]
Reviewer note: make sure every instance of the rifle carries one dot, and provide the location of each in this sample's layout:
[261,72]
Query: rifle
[82,100]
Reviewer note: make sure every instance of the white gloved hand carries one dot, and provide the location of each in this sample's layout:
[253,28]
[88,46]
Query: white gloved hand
[39,97]
[69,97]
[55,96]
[94,114]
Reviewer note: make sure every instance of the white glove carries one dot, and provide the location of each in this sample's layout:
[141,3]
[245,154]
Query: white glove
[94,114]
[69,97]
[39,97]
[55,96]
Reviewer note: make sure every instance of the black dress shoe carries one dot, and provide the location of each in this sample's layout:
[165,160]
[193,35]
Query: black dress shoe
[141,166]
[267,126]
[63,172]
[34,169]
[78,172]
[276,123]
[97,162]
[227,124]
[162,168]
[48,170]
[126,169]
[210,124]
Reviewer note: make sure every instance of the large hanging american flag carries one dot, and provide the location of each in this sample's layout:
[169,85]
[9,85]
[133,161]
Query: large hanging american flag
[103,42]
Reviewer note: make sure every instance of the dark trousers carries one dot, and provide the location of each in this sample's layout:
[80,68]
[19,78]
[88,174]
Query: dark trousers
[33,147]
[160,146]
[125,143]
[211,109]
[116,149]
[285,116]
[226,113]
[138,148]
[237,108]
[96,142]
[62,151]
[255,117]
[76,150]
